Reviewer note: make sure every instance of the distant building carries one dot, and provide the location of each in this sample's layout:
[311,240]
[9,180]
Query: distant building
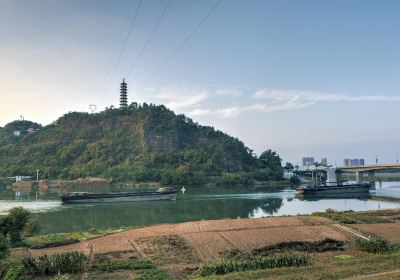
[17,133]
[324,161]
[287,174]
[123,100]
[353,162]
[307,161]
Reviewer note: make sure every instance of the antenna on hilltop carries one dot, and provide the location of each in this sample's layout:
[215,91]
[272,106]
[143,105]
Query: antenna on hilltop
[93,108]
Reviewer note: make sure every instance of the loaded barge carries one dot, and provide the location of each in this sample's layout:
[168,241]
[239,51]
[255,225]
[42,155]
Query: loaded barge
[84,197]
[334,186]
[338,189]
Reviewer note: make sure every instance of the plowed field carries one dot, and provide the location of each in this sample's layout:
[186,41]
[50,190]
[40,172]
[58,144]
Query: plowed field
[389,231]
[209,239]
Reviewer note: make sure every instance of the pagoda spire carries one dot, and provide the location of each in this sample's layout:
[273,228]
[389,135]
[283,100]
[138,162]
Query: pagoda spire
[123,100]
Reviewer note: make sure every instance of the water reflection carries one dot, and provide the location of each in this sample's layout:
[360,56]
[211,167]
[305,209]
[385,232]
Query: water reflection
[196,204]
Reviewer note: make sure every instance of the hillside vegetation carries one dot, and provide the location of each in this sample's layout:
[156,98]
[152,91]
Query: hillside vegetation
[140,143]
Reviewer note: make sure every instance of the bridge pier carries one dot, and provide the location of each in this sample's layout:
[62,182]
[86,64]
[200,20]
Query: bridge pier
[371,177]
[359,176]
[339,177]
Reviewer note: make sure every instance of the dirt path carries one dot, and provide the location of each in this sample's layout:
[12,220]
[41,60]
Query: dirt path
[393,274]
[209,238]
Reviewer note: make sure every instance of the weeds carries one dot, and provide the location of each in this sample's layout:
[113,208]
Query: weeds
[13,273]
[72,262]
[374,245]
[168,249]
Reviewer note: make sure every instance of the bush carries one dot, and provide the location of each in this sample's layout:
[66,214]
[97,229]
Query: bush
[226,266]
[374,245]
[4,251]
[59,263]
[295,181]
[154,274]
[32,227]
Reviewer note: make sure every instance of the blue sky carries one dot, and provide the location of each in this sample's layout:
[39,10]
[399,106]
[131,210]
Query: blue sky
[313,78]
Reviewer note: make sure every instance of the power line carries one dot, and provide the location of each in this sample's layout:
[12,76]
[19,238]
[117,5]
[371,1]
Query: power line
[149,38]
[183,43]
[123,49]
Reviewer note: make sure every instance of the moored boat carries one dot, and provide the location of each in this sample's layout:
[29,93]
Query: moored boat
[85,197]
[345,188]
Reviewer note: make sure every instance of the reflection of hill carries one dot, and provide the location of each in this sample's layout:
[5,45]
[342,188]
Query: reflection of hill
[83,217]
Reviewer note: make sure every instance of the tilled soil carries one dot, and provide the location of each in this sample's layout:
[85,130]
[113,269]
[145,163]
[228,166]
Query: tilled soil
[209,239]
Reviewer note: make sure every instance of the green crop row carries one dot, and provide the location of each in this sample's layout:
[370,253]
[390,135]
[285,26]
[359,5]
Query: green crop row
[227,266]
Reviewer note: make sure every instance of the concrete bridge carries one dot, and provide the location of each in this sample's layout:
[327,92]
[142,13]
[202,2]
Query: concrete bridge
[368,170]
[364,173]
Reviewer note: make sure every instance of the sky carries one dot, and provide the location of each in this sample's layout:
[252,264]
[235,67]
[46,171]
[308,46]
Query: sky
[304,78]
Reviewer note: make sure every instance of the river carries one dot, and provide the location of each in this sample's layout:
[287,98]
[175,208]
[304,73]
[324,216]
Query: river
[197,203]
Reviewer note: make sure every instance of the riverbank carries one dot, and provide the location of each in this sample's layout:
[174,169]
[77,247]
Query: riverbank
[183,250]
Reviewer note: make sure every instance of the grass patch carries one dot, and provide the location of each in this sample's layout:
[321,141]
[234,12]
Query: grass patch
[343,257]
[350,217]
[60,239]
[50,240]
[123,264]
[93,233]
[227,266]
[168,249]
[154,274]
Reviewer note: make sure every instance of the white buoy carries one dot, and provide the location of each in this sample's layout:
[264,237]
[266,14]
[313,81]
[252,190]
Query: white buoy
[183,190]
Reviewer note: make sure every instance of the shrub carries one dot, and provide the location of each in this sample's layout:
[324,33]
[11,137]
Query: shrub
[72,262]
[3,247]
[374,245]
[226,266]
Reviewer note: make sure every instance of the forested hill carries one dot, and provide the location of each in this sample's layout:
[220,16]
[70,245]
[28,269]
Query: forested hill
[139,143]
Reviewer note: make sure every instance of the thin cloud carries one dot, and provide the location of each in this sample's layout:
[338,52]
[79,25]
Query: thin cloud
[198,101]
[282,95]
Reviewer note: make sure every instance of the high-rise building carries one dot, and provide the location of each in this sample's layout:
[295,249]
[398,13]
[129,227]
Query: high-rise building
[353,162]
[307,161]
[324,161]
[123,100]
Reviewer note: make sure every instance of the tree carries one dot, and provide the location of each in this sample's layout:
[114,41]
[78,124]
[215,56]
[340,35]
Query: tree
[288,166]
[270,158]
[295,181]
[17,220]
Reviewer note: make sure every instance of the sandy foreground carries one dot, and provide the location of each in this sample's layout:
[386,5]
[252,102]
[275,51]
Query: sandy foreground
[209,238]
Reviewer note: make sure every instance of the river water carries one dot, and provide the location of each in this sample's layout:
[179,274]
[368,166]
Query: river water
[197,203]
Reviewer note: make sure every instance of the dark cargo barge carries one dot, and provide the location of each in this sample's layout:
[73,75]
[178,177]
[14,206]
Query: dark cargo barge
[84,197]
